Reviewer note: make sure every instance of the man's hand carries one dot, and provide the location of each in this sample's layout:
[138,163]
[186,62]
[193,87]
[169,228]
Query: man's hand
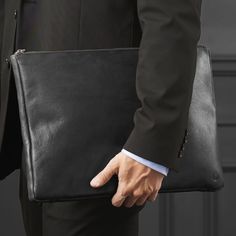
[137,182]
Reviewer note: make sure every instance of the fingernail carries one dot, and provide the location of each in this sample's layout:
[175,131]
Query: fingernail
[94,182]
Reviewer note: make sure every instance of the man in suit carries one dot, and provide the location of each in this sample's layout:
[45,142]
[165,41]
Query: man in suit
[167,33]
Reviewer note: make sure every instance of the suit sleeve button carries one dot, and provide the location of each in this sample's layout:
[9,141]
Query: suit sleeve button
[7,61]
[15,13]
[180,154]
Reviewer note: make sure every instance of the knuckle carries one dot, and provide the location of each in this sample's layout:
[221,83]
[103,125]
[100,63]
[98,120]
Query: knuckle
[137,193]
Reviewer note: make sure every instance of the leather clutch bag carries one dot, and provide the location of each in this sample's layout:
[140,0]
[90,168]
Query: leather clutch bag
[74,119]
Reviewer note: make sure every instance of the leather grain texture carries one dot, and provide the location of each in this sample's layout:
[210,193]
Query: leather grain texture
[76,111]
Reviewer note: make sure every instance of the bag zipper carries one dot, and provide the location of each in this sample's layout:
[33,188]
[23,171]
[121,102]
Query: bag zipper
[23,50]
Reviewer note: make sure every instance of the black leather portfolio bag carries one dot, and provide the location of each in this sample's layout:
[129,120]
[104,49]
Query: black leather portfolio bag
[74,119]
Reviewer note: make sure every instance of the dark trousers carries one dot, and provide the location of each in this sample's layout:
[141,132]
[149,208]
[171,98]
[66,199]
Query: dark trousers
[77,218]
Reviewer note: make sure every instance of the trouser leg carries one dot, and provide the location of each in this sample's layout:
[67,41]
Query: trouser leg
[31,211]
[87,217]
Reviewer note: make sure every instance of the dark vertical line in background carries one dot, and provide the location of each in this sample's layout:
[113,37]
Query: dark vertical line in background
[166,215]
[80,25]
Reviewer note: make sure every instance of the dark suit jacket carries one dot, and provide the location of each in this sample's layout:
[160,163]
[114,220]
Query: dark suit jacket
[167,32]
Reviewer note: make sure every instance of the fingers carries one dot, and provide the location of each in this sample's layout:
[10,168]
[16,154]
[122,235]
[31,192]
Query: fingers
[126,197]
[120,195]
[137,183]
[153,196]
[130,201]
[105,175]
[141,200]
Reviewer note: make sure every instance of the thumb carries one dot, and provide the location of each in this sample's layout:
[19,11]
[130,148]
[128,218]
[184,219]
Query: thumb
[105,175]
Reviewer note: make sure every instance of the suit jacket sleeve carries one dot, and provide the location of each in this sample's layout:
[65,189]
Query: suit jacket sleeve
[164,78]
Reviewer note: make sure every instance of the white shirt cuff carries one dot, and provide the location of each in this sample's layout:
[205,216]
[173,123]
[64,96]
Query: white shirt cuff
[153,165]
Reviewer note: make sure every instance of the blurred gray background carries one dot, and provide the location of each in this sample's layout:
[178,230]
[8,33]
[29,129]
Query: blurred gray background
[181,214]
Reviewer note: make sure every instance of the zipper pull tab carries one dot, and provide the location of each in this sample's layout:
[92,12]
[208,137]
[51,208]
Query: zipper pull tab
[18,51]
